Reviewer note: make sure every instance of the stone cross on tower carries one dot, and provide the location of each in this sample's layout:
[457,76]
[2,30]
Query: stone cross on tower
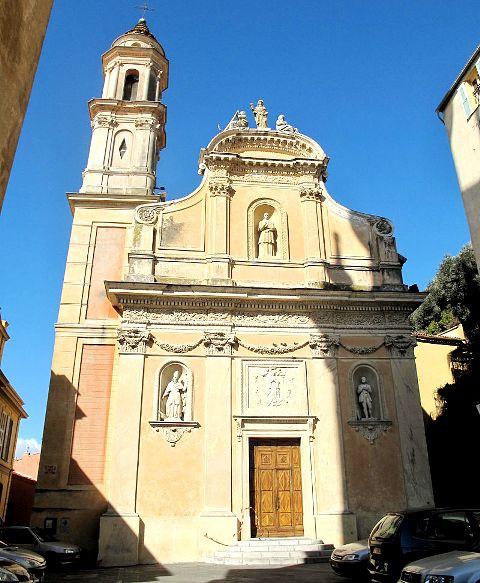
[145,8]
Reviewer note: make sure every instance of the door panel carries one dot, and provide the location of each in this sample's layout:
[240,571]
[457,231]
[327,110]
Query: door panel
[276,488]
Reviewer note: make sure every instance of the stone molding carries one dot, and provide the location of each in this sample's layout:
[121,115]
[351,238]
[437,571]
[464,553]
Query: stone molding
[132,340]
[281,348]
[371,429]
[173,431]
[243,421]
[264,314]
[383,227]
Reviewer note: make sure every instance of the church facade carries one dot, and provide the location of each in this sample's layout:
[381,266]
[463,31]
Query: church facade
[234,364]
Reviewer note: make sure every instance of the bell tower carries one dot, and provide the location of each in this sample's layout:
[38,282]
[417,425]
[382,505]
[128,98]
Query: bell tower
[128,121]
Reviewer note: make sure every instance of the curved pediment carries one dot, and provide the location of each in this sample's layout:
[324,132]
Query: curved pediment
[266,144]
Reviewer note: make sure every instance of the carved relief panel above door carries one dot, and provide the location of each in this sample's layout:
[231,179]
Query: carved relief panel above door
[274,387]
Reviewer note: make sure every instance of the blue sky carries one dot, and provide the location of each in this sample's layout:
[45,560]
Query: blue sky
[362,77]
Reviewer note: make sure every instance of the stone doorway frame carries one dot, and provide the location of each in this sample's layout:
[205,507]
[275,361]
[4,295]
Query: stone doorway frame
[282,427]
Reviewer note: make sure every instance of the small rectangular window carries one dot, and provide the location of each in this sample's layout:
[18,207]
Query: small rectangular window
[463,92]
[7,439]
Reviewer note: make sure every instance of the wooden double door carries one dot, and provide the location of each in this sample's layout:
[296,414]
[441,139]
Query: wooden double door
[276,488]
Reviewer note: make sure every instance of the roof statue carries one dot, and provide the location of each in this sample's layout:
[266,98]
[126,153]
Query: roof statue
[261,114]
[239,121]
[281,125]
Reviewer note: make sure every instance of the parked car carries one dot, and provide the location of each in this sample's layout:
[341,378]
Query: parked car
[351,560]
[455,566]
[11,571]
[33,562]
[56,552]
[400,538]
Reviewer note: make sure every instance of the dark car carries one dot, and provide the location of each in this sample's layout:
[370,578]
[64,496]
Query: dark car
[402,537]
[56,552]
[351,560]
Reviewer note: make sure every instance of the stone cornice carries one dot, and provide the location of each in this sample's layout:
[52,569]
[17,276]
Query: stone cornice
[119,107]
[91,200]
[167,305]
[153,292]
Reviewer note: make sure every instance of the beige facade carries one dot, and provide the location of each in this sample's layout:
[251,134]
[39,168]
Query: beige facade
[11,412]
[251,313]
[22,30]
[459,112]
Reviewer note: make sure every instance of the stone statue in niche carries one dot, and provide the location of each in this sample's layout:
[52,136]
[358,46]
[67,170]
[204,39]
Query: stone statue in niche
[175,395]
[365,398]
[267,237]
[260,113]
[282,125]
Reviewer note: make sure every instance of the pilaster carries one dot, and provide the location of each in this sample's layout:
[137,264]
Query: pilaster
[120,525]
[334,521]
[418,485]
[311,198]
[218,524]
[220,194]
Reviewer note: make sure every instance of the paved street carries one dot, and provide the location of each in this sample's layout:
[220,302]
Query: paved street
[201,573]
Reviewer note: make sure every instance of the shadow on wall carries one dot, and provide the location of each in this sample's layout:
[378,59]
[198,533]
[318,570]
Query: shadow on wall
[71,506]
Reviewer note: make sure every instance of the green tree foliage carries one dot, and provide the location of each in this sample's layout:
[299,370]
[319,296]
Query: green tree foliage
[453,295]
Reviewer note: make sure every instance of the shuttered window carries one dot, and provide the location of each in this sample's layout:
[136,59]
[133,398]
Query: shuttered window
[462,90]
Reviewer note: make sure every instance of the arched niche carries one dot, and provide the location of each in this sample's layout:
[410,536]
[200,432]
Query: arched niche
[278,216]
[359,386]
[180,374]
[122,149]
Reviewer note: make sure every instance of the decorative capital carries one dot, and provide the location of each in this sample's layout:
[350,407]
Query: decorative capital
[132,340]
[371,429]
[311,192]
[401,345]
[146,123]
[104,121]
[324,346]
[221,189]
[147,214]
[219,343]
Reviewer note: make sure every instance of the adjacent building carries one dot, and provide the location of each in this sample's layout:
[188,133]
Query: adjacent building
[234,364]
[11,412]
[22,490]
[435,355]
[22,30]
[460,113]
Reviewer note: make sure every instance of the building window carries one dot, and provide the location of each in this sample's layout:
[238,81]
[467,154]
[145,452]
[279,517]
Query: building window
[464,91]
[6,430]
[131,86]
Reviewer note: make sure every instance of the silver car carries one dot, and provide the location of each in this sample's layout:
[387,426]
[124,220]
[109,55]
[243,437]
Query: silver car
[35,539]
[33,562]
[452,567]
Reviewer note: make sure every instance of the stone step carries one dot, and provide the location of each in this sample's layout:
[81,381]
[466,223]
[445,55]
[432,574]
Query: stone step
[273,551]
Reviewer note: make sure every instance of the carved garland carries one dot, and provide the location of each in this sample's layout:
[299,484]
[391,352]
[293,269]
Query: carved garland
[281,348]
[219,343]
[177,348]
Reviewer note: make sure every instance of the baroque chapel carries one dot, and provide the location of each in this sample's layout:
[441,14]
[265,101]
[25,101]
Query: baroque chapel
[232,365]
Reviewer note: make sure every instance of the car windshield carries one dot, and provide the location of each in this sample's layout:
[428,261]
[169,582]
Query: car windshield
[44,536]
[387,527]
